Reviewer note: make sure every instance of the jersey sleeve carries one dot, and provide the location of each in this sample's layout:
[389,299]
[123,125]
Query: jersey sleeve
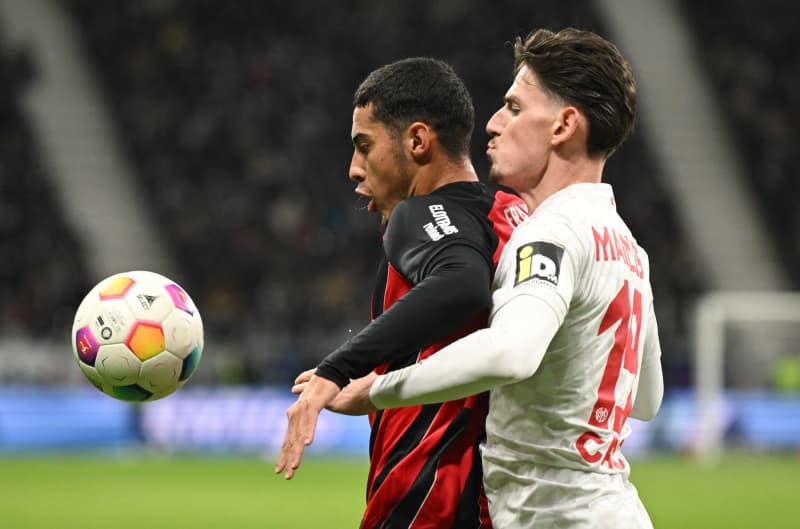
[650,390]
[421,227]
[451,280]
[509,351]
[541,259]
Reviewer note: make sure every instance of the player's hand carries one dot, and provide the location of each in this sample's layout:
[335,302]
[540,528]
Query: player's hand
[301,381]
[354,398]
[302,423]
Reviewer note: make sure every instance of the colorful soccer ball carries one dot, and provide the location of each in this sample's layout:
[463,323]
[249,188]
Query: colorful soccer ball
[137,336]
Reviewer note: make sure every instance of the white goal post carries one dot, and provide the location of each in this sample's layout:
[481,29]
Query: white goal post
[714,311]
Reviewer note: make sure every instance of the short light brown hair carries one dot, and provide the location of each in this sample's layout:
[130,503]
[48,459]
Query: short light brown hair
[583,69]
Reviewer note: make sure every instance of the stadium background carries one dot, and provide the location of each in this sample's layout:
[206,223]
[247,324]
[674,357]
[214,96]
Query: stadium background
[209,141]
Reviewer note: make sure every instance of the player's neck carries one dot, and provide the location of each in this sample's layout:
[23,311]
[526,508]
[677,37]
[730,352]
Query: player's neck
[435,175]
[562,174]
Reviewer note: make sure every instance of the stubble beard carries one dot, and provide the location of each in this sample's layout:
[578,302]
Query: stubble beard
[494,175]
[403,175]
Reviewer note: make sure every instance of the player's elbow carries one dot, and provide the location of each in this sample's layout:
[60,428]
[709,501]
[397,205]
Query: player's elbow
[645,413]
[518,373]
[511,359]
[650,391]
[472,299]
[646,406]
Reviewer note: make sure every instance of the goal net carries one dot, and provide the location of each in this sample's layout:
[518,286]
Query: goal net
[747,371]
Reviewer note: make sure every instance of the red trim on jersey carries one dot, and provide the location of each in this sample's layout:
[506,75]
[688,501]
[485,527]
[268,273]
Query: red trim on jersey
[456,462]
[508,212]
[425,470]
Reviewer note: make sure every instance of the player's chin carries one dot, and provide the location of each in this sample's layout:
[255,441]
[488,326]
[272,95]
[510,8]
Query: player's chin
[495,176]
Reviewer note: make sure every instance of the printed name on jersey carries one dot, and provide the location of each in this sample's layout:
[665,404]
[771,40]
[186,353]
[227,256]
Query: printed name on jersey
[539,262]
[612,246]
[441,225]
[515,214]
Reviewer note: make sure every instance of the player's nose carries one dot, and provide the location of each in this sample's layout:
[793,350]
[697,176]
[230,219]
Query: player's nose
[356,173]
[494,125]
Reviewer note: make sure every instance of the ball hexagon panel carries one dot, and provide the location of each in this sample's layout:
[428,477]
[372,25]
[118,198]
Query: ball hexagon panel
[130,393]
[116,287]
[197,328]
[180,337]
[190,363]
[85,345]
[160,373]
[146,339]
[149,301]
[180,298]
[117,365]
[111,321]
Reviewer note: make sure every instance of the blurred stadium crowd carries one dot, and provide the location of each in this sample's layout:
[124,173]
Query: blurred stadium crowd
[236,116]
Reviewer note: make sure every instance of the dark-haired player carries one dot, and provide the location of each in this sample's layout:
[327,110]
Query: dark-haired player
[444,231]
[572,350]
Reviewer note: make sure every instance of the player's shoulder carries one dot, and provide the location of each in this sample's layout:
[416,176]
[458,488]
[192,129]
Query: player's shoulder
[572,212]
[421,226]
[463,195]
[550,222]
[478,197]
[442,213]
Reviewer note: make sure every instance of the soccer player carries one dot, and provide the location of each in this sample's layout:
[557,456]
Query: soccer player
[444,231]
[572,349]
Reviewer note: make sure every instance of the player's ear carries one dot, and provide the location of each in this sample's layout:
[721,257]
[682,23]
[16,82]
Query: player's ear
[566,125]
[419,140]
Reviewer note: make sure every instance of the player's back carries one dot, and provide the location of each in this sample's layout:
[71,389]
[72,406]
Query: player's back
[577,254]
[553,440]
[425,469]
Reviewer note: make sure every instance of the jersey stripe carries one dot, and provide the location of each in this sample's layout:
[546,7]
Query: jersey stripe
[410,437]
[425,466]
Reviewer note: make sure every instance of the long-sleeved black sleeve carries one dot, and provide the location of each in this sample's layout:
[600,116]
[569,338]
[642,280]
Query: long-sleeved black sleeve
[456,288]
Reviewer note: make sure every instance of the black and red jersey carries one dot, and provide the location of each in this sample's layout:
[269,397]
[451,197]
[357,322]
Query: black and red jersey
[433,287]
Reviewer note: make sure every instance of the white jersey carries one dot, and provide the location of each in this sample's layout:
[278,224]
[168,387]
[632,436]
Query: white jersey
[576,254]
[572,350]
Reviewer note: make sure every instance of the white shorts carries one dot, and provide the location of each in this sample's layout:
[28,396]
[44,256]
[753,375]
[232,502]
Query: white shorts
[531,497]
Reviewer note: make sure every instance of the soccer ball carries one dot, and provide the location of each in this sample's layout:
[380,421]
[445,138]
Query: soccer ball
[137,336]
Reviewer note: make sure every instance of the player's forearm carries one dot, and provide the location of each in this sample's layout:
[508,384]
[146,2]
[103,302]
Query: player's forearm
[509,351]
[439,305]
[650,390]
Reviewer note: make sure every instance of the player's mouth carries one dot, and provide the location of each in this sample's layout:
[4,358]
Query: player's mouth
[366,198]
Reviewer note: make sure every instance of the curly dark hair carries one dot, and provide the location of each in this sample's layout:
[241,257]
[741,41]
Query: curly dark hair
[421,89]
